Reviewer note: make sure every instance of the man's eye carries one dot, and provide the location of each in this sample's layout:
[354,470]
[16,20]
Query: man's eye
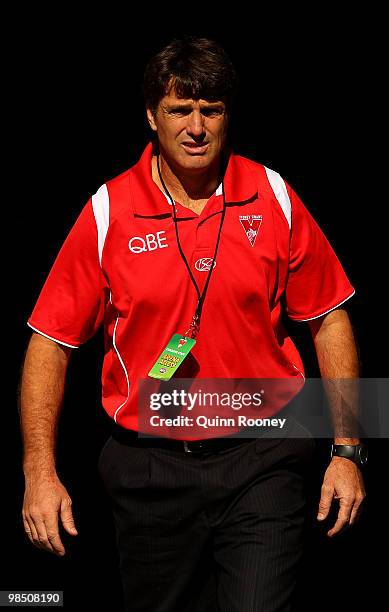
[211,112]
[182,112]
[206,112]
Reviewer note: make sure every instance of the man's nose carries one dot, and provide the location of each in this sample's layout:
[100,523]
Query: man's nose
[195,125]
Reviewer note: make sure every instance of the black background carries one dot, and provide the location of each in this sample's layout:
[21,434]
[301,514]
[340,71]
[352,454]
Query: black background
[309,107]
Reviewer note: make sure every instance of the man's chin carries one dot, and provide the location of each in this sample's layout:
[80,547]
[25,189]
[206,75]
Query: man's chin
[196,162]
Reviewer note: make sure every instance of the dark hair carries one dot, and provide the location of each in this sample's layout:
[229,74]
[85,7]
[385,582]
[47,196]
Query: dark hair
[194,67]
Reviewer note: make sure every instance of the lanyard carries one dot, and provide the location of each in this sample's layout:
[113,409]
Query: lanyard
[194,326]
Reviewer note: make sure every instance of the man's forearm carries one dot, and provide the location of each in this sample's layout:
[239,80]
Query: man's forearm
[339,367]
[41,396]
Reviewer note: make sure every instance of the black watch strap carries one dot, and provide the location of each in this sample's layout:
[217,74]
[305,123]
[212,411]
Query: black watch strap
[356,452]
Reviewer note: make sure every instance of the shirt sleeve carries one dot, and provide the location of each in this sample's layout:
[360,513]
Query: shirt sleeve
[71,305]
[316,282]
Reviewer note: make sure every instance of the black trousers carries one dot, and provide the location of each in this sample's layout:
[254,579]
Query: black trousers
[217,532]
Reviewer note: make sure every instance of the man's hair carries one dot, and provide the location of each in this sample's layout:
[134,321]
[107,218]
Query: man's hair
[195,68]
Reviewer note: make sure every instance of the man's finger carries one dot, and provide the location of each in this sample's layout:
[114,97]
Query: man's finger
[339,526]
[355,513]
[54,537]
[42,534]
[344,514]
[33,532]
[27,529]
[325,502]
[67,517]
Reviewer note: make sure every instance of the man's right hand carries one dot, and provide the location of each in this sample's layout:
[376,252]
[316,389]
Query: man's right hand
[45,498]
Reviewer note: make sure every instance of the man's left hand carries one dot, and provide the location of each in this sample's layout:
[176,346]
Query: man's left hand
[342,481]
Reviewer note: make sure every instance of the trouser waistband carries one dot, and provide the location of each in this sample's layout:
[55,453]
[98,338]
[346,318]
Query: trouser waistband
[131,437]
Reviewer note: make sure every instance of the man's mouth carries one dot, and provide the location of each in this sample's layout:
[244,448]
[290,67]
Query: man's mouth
[195,147]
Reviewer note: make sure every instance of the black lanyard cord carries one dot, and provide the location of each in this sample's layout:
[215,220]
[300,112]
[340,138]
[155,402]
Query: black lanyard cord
[195,325]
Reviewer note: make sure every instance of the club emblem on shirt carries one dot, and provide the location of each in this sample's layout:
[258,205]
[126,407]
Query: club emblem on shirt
[251,225]
[204,264]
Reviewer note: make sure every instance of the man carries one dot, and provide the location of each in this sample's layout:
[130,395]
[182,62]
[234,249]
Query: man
[193,243]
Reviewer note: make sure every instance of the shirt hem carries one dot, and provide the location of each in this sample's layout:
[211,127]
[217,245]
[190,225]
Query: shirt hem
[323,313]
[51,337]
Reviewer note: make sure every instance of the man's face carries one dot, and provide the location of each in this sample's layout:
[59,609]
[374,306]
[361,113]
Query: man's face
[191,133]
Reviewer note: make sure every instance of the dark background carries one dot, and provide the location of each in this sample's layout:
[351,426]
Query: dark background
[309,107]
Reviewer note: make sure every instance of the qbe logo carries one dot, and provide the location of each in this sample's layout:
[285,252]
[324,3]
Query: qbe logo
[150,242]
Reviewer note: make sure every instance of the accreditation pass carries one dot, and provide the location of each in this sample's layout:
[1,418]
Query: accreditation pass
[172,357]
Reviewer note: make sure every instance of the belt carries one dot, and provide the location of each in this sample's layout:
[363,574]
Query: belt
[130,437]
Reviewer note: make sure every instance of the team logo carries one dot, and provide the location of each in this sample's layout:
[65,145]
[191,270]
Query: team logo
[251,225]
[181,342]
[204,264]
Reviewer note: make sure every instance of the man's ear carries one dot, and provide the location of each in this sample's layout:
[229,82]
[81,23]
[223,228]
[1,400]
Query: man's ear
[151,120]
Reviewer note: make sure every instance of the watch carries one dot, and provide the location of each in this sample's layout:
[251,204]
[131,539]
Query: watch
[355,452]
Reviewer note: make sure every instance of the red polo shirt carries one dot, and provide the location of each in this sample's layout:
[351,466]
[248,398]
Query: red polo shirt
[120,266]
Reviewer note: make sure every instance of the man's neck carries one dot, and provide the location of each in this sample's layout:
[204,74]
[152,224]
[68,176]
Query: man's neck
[191,190]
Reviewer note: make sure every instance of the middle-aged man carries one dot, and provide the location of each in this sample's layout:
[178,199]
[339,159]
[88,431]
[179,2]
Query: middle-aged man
[193,243]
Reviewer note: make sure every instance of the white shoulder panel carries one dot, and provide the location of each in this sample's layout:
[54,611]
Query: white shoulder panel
[100,204]
[278,185]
